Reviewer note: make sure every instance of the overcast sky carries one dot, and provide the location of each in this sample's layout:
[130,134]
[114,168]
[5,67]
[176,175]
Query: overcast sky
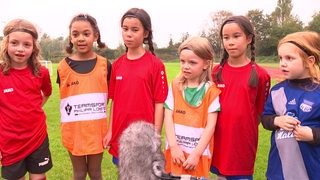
[170,18]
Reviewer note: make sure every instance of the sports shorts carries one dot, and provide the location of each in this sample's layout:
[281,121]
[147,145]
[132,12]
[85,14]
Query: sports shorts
[38,162]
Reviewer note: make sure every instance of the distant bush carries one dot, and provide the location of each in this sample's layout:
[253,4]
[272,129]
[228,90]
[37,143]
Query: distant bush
[167,54]
[260,59]
[267,59]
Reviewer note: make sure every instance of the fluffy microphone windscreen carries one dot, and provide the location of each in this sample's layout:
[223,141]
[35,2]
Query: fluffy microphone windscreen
[140,154]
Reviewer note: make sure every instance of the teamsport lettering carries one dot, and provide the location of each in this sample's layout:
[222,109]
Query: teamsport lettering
[180,111]
[189,142]
[78,106]
[89,108]
[73,83]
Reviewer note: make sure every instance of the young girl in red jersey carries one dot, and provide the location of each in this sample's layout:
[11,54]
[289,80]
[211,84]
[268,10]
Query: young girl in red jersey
[191,110]
[245,87]
[25,87]
[82,79]
[138,84]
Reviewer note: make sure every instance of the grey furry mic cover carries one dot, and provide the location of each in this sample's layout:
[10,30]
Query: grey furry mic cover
[140,154]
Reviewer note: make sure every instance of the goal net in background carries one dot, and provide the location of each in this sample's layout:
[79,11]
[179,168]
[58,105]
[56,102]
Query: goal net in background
[48,65]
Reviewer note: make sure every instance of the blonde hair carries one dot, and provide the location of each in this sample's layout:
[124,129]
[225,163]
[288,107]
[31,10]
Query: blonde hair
[20,25]
[202,48]
[308,43]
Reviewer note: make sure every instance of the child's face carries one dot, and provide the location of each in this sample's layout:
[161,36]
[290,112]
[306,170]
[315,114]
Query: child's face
[20,48]
[192,66]
[82,36]
[133,32]
[291,63]
[235,40]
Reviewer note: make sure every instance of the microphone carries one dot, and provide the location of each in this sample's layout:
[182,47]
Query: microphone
[182,177]
[141,156]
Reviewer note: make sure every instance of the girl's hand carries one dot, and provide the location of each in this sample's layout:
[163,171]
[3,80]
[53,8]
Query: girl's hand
[177,155]
[106,139]
[287,123]
[303,133]
[191,162]
[0,156]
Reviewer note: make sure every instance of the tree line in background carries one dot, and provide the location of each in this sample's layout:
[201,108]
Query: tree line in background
[270,28]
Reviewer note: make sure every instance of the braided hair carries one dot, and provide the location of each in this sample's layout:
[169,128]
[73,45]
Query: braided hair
[94,25]
[248,29]
[145,20]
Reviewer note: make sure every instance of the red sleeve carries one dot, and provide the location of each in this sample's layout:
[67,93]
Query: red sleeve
[46,86]
[160,83]
[263,89]
[112,80]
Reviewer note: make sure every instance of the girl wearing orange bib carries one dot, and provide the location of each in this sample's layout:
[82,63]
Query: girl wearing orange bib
[83,83]
[191,110]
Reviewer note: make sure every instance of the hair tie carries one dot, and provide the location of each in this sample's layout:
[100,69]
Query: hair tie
[305,50]
[34,35]
[130,16]
[83,16]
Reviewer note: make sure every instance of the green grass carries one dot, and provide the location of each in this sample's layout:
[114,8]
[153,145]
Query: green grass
[268,64]
[62,168]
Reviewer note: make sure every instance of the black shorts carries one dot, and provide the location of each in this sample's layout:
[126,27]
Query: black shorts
[37,162]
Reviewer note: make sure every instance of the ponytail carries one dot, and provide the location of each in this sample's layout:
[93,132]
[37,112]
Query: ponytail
[223,61]
[148,41]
